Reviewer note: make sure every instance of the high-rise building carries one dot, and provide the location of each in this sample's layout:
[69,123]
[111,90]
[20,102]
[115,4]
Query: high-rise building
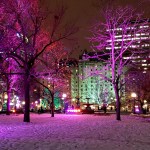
[138,34]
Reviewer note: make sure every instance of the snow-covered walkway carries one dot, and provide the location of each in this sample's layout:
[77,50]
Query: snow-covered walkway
[74,132]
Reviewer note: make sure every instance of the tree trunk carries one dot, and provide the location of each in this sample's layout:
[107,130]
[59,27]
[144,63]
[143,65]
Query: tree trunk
[52,106]
[8,98]
[27,98]
[118,117]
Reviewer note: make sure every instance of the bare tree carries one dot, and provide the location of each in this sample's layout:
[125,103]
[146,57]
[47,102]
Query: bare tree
[112,40]
[27,36]
[53,68]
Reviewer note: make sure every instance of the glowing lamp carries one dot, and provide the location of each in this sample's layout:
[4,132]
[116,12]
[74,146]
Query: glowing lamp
[133,95]
[23,102]
[13,111]
[5,96]
[64,95]
[11,104]
[73,99]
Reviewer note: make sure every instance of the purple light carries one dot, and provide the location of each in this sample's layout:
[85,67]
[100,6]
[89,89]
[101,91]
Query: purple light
[74,110]
[137,109]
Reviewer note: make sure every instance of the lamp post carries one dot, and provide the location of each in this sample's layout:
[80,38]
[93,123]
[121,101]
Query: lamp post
[133,95]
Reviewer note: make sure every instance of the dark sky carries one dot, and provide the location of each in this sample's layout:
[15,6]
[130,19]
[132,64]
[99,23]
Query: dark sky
[84,13]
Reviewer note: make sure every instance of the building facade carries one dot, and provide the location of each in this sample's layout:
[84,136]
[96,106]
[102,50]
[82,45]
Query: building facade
[90,88]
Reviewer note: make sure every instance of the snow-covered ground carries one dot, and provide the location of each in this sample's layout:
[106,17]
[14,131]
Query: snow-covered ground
[74,132]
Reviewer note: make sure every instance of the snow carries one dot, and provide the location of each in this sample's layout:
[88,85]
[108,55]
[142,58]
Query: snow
[74,132]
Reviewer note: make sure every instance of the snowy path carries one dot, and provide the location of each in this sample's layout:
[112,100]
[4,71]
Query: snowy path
[74,132]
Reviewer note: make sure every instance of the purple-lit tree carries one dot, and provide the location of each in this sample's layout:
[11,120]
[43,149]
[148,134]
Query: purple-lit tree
[112,40]
[9,74]
[29,34]
[52,68]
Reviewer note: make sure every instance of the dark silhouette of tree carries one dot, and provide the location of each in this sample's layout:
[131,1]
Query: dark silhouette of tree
[29,34]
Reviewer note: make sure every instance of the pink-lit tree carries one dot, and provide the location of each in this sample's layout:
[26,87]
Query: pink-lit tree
[52,68]
[10,74]
[29,34]
[116,42]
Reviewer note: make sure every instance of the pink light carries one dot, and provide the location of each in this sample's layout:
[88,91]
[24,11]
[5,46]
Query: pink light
[137,110]
[73,110]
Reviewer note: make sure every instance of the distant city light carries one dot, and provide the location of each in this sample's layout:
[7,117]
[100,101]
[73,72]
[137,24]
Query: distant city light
[73,99]
[133,95]
[5,96]
[23,102]
[64,95]
[35,90]
[11,104]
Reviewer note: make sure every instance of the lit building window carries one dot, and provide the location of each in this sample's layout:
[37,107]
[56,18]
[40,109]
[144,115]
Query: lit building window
[144,64]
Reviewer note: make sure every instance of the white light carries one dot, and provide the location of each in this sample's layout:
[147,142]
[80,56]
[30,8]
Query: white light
[144,64]
[18,35]
[5,96]
[133,95]
[64,95]
[11,104]
[17,105]
[23,102]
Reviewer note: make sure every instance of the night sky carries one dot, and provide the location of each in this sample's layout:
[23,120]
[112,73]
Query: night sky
[84,14]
